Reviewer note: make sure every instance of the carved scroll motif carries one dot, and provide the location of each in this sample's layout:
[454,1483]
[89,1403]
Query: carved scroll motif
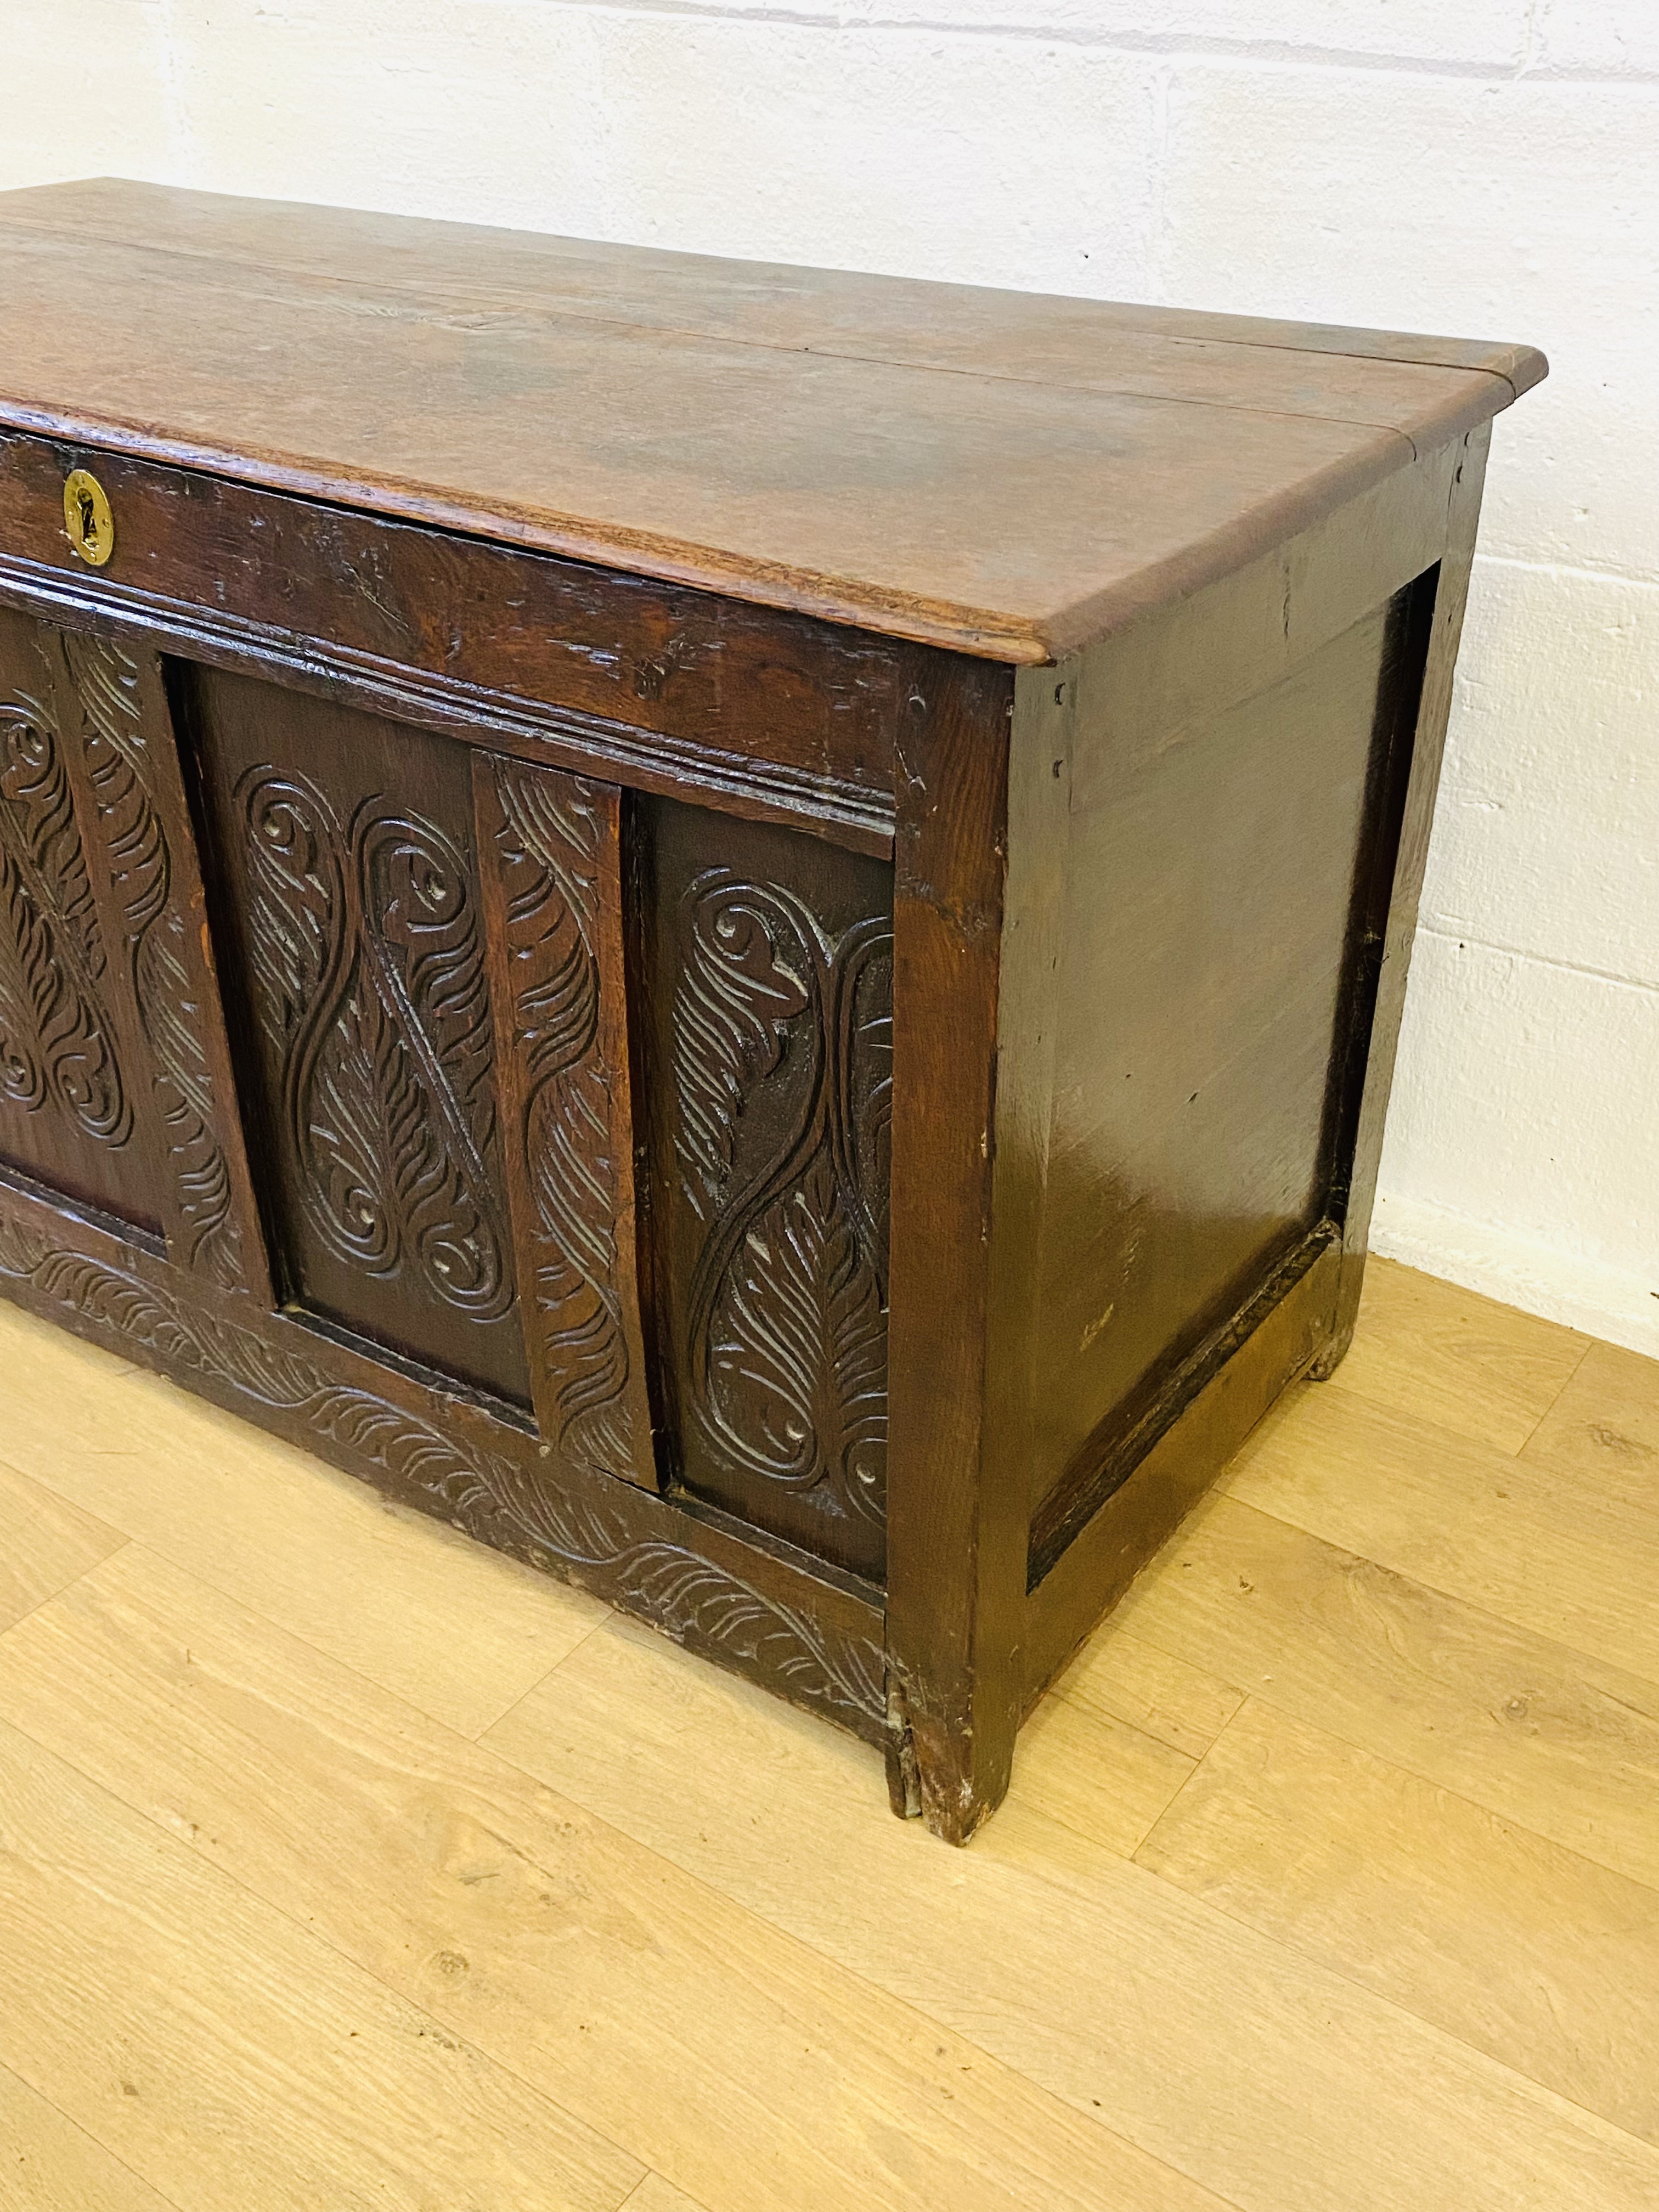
[55,1038]
[135,852]
[603,1536]
[553,844]
[369,983]
[786,1320]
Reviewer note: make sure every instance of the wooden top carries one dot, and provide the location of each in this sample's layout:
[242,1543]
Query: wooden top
[1008,473]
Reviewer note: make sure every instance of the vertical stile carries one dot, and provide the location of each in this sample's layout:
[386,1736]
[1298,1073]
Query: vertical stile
[551,864]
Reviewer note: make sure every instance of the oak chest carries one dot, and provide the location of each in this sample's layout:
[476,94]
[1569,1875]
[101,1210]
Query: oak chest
[741,927]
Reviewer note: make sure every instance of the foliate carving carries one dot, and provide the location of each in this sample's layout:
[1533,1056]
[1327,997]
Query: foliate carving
[787,1328]
[369,982]
[54,1036]
[593,1535]
[135,851]
[549,837]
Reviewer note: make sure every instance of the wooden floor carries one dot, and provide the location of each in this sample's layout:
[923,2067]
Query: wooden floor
[345,1865]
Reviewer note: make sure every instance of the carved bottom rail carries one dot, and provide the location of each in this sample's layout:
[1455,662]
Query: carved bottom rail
[817,1642]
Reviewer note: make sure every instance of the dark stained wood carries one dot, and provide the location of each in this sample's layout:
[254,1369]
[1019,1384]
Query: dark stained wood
[1005,510]
[1273,1340]
[767,961]
[743,929]
[790,719]
[955,1518]
[75,1105]
[352,940]
[126,768]
[116,1085]
[551,853]
[1196,658]
[1405,847]
[1202,996]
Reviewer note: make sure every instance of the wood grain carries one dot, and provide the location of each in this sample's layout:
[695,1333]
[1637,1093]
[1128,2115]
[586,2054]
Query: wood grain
[1272,1343]
[1464,1518]
[451,263]
[576,667]
[770,449]
[1119,1675]
[1379,1962]
[550,870]
[44,1543]
[1549,1738]
[266,1523]
[49,2165]
[1603,1429]
[734,2060]
[1542,1959]
[350,925]
[1271,2079]
[1093,1772]
[202,2037]
[656,2195]
[957,1523]
[76,1110]
[1466,1363]
[764,1013]
[126,764]
[1203,994]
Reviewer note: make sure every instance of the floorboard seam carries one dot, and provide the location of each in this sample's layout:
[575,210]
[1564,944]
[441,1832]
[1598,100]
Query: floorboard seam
[161,2195]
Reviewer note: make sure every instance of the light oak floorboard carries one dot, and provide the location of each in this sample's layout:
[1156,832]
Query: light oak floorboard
[1376,1997]
[459,1631]
[44,1543]
[1095,1773]
[1482,1369]
[1543,1734]
[729,2057]
[1501,1533]
[49,2165]
[1279,2084]
[229,2056]
[656,2195]
[1119,1675]
[1545,1960]
[1604,1427]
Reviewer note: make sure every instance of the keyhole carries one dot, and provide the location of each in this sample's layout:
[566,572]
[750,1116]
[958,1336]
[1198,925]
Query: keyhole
[88,526]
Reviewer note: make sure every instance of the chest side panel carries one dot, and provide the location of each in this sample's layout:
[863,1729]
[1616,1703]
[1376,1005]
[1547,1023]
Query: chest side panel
[1212,989]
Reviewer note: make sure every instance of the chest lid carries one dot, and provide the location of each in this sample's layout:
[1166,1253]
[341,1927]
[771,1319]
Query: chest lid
[1004,473]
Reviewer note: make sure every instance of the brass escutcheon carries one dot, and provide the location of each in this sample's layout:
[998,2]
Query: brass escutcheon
[87,516]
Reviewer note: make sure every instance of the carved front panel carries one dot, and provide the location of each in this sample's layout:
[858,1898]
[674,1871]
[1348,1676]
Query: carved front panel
[349,902]
[73,1081]
[148,882]
[770,956]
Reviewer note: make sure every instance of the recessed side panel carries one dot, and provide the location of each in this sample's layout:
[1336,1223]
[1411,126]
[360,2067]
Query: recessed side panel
[765,963]
[1215,951]
[343,874]
[76,1108]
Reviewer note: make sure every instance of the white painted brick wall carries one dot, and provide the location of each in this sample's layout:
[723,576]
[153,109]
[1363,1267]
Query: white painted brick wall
[1482,167]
